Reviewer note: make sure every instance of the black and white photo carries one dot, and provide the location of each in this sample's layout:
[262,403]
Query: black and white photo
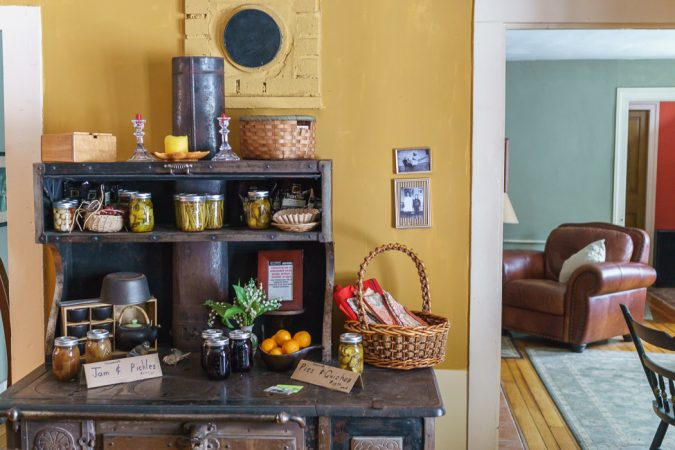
[412,203]
[413,160]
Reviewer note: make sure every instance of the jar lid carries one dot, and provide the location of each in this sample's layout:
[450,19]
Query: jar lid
[350,338]
[191,198]
[217,341]
[258,194]
[211,332]
[65,341]
[141,195]
[215,197]
[239,334]
[98,334]
[125,193]
[66,203]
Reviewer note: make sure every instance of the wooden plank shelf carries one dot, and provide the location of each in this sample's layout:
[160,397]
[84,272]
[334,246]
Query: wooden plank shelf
[171,234]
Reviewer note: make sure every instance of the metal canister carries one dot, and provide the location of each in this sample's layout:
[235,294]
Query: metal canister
[198,99]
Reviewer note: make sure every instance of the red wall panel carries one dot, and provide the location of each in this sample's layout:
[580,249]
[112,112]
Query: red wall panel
[665,173]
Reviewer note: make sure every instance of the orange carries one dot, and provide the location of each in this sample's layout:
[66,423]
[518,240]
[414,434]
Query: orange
[275,351]
[282,336]
[268,344]
[303,338]
[290,346]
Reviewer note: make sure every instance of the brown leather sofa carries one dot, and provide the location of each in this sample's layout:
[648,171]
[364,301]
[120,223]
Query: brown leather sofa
[586,308]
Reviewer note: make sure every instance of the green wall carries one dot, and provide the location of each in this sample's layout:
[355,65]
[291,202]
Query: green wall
[3,230]
[560,119]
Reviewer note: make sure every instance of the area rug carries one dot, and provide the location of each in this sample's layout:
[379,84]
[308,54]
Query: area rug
[509,349]
[603,396]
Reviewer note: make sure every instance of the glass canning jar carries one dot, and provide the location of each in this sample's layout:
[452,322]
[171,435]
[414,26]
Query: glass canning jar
[141,214]
[215,209]
[192,212]
[258,210]
[207,334]
[350,352]
[241,350]
[64,214]
[217,358]
[123,201]
[65,358]
[98,346]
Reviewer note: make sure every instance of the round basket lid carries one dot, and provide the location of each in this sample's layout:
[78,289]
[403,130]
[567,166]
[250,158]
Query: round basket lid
[297,118]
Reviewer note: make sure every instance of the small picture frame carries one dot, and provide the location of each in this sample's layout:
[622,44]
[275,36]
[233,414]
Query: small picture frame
[412,160]
[412,203]
[280,273]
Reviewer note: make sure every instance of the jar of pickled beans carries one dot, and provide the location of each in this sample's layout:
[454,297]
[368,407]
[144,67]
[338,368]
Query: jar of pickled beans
[215,209]
[350,352]
[141,214]
[258,210]
[98,346]
[65,358]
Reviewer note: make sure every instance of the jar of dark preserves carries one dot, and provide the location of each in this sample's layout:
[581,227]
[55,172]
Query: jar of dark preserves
[217,358]
[241,351]
[206,335]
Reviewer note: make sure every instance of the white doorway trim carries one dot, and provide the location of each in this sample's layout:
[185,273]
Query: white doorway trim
[492,18]
[21,28]
[627,99]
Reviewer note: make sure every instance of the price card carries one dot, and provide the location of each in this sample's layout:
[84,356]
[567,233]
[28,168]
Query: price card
[123,370]
[325,376]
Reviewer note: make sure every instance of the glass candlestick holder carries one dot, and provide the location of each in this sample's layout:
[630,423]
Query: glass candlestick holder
[140,154]
[225,152]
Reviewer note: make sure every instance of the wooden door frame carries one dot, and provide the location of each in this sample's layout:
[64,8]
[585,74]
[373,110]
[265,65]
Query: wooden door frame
[492,18]
[627,99]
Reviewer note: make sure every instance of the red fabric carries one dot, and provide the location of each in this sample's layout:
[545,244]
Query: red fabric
[342,294]
[664,217]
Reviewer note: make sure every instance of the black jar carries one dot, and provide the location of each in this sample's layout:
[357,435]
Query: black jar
[217,358]
[209,333]
[241,351]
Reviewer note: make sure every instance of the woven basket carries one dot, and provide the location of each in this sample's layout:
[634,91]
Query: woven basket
[277,137]
[399,347]
[99,223]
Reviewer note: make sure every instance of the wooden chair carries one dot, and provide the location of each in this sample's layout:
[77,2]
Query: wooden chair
[661,380]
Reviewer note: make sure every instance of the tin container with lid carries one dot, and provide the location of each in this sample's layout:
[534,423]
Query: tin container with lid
[218,364]
[65,358]
[350,352]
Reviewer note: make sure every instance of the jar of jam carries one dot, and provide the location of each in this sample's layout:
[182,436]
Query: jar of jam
[64,215]
[241,351]
[350,352]
[217,358]
[215,209]
[65,358]
[98,346]
[258,210]
[192,212]
[141,215]
[208,334]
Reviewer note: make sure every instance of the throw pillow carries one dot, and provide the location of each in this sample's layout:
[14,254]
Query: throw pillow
[592,253]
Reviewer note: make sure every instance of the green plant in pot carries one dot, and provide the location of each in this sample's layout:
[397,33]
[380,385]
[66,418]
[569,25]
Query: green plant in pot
[250,302]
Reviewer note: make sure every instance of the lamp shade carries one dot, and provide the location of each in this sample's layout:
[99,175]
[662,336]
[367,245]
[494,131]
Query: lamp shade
[509,212]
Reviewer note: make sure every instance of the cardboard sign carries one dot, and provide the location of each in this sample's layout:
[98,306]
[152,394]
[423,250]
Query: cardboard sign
[122,370]
[325,376]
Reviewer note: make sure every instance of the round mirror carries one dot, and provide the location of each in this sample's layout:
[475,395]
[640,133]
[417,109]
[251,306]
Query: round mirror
[252,38]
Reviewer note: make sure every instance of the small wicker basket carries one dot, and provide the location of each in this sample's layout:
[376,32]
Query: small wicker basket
[101,223]
[395,346]
[277,137]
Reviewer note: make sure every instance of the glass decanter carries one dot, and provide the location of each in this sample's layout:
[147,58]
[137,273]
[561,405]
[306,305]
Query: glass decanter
[140,154]
[225,152]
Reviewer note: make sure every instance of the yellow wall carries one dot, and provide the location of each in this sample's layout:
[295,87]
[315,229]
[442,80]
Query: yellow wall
[396,73]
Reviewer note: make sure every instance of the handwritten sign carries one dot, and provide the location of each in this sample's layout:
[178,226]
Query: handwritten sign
[325,376]
[123,370]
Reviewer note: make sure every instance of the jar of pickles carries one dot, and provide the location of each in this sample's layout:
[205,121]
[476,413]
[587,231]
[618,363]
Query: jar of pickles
[350,352]
[176,200]
[258,210]
[141,215]
[210,333]
[64,214]
[192,212]
[215,209]
[65,358]
[98,346]
[241,349]
[217,358]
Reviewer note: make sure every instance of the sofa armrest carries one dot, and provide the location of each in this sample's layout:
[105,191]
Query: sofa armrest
[522,264]
[605,278]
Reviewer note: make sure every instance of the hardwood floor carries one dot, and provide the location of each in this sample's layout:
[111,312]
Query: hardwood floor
[537,416]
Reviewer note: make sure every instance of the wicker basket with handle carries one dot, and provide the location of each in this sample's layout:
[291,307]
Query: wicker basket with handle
[277,137]
[400,347]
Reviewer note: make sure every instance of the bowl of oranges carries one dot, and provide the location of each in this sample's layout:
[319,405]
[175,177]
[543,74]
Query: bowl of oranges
[284,350]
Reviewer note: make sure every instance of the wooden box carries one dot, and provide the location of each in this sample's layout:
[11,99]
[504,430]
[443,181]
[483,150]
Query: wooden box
[79,147]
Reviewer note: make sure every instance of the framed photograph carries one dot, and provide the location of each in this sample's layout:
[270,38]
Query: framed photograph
[280,273]
[412,160]
[3,191]
[412,203]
